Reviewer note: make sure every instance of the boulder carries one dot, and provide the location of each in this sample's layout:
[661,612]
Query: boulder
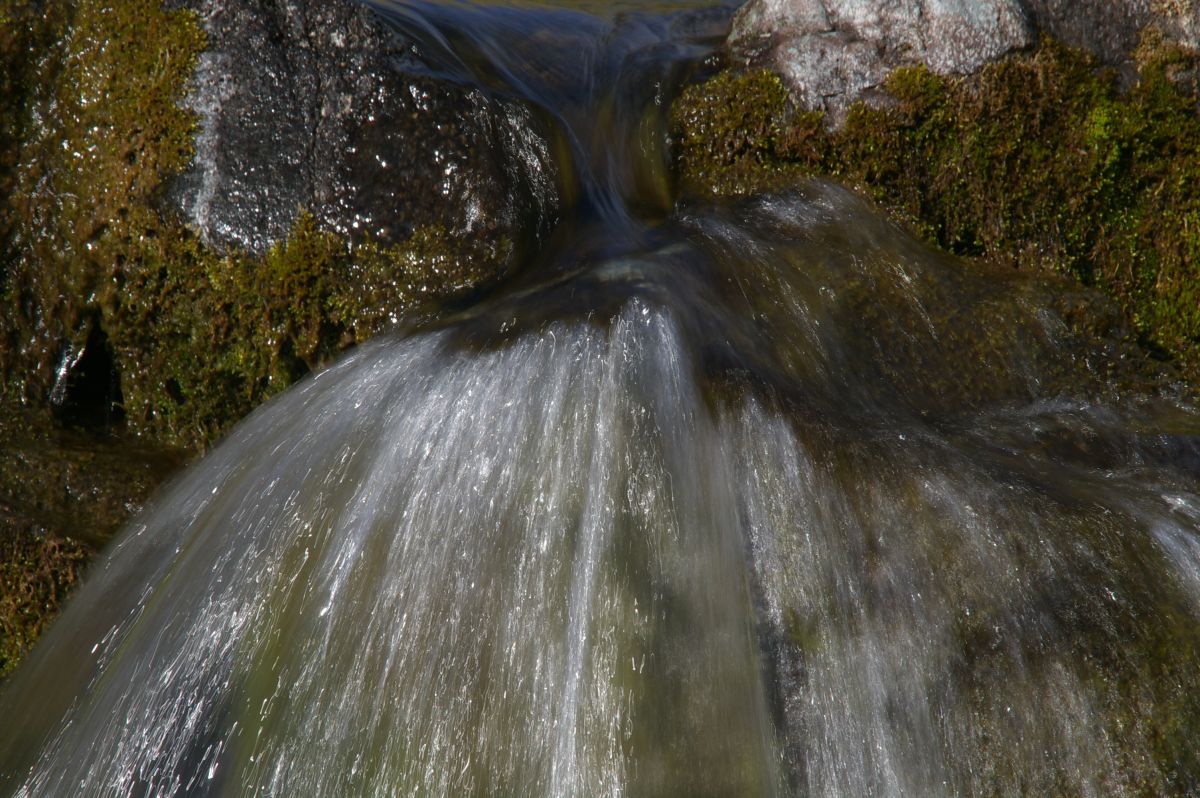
[1111,29]
[832,53]
[320,106]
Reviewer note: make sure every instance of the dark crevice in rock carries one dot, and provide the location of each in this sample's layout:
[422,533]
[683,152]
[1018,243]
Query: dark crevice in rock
[87,392]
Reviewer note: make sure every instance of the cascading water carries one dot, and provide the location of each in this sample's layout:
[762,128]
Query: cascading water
[747,500]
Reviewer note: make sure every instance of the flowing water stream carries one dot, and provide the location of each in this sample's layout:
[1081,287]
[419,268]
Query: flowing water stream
[748,499]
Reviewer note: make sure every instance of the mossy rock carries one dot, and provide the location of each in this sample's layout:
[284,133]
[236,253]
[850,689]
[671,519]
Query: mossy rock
[37,572]
[1038,162]
[200,339]
[118,317]
[182,339]
[63,493]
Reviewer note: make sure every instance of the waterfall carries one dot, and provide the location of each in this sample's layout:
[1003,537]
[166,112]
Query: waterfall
[748,499]
[407,576]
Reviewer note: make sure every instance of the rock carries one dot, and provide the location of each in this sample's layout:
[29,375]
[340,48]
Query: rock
[1111,28]
[319,106]
[139,275]
[832,53]
[63,493]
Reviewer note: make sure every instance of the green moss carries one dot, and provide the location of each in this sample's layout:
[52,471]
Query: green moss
[37,572]
[92,130]
[731,134]
[62,494]
[1038,162]
[200,339]
[96,129]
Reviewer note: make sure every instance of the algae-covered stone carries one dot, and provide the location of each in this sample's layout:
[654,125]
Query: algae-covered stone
[851,315]
[1039,162]
[63,493]
[832,53]
[195,260]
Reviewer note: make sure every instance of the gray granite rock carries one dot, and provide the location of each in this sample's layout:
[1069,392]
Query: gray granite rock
[834,52]
[316,104]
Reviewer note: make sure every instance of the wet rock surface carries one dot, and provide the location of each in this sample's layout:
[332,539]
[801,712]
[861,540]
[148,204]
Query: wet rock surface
[319,106]
[165,270]
[63,493]
[835,52]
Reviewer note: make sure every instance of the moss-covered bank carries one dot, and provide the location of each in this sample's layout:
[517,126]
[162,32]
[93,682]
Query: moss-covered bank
[62,494]
[37,572]
[1039,162]
[115,315]
[95,130]
[200,339]
[179,341]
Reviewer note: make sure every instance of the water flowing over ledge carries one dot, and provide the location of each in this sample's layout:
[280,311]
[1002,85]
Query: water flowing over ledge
[763,498]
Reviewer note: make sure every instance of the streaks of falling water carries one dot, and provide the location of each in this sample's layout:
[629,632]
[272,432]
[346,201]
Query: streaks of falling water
[406,576]
[754,499]
[713,542]
[954,627]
